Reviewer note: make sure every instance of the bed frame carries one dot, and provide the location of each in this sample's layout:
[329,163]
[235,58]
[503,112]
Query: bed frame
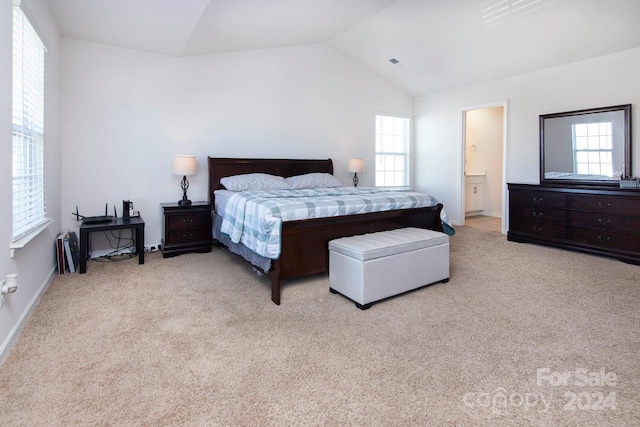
[305,243]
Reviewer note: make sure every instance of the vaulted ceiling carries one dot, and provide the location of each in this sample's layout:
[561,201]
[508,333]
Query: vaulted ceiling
[439,44]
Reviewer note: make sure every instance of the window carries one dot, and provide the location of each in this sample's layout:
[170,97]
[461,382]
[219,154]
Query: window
[392,151]
[28,127]
[592,144]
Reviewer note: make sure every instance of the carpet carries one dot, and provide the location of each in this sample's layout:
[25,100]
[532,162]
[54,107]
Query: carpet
[521,335]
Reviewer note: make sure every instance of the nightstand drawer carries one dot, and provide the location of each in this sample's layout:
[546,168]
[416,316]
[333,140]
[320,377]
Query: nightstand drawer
[187,235]
[189,220]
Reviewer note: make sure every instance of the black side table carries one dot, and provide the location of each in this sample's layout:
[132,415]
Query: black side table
[136,224]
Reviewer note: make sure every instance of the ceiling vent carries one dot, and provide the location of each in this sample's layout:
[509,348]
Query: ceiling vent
[498,12]
[397,63]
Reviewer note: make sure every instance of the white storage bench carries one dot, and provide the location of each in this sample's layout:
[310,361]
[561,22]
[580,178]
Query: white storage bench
[372,267]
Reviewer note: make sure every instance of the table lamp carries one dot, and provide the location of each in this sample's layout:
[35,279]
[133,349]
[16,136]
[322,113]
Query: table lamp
[184,165]
[355,166]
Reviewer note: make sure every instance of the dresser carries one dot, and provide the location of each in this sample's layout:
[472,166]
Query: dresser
[602,221]
[186,228]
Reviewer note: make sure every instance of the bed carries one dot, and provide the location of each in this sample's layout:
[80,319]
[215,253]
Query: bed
[304,243]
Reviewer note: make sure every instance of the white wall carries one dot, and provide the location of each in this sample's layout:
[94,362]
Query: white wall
[484,131]
[126,114]
[34,263]
[600,82]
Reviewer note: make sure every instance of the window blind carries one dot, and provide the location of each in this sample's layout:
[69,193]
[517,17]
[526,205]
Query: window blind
[28,127]
[392,151]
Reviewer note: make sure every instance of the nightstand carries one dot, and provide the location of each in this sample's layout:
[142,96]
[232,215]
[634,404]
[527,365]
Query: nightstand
[186,228]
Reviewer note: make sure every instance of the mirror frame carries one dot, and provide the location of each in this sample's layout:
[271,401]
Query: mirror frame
[627,147]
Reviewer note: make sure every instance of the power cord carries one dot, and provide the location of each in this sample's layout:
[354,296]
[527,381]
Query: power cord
[117,253]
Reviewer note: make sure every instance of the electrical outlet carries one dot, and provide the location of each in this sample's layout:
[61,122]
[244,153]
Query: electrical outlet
[7,286]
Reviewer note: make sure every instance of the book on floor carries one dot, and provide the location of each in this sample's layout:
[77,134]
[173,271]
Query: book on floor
[60,253]
[71,250]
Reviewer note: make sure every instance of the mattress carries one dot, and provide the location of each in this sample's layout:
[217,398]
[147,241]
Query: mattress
[259,261]
[222,197]
[254,218]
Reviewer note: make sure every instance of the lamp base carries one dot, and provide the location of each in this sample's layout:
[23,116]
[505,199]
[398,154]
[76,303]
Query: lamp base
[184,184]
[355,179]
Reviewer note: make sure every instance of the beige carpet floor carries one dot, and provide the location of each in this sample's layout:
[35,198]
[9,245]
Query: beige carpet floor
[195,340]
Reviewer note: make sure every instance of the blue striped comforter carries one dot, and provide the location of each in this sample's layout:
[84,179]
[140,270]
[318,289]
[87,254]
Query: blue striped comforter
[254,218]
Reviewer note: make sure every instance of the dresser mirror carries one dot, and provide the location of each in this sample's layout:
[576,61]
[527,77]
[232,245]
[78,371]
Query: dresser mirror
[586,147]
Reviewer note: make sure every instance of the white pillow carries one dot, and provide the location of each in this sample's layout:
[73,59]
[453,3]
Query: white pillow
[254,182]
[313,180]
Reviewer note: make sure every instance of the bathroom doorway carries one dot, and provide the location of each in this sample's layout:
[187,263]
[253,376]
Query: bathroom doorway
[483,167]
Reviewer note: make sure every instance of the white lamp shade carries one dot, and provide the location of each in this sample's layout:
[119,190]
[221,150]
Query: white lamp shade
[355,165]
[184,165]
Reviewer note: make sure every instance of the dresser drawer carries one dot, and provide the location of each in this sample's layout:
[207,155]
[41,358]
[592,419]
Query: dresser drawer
[536,214]
[605,239]
[539,228]
[600,221]
[188,220]
[538,199]
[606,204]
[187,235]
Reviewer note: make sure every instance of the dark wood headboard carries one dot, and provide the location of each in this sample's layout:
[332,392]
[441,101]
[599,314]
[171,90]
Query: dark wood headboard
[221,167]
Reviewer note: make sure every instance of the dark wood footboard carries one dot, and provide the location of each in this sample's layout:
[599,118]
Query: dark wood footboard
[305,243]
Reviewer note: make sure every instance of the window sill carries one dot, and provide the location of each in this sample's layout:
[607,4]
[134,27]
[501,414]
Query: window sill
[398,188]
[22,242]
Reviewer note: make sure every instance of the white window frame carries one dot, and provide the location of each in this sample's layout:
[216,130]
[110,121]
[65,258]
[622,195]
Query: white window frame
[29,209]
[381,175]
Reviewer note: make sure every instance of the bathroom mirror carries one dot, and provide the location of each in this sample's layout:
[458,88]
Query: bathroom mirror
[586,147]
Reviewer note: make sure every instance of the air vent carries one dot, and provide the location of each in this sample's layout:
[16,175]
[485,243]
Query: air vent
[397,63]
[498,12]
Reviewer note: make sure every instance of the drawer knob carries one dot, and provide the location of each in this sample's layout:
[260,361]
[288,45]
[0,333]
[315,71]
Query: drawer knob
[537,214]
[187,236]
[603,222]
[604,205]
[604,239]
[537,229]
[184,221]
[537,199]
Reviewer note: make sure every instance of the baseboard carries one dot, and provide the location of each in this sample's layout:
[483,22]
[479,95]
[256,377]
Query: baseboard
[482,213]
[13,335]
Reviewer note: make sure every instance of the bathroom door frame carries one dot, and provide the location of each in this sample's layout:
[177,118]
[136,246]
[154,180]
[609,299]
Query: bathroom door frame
[463,143]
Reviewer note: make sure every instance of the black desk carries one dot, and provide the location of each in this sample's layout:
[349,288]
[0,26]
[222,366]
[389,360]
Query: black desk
[136,224]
